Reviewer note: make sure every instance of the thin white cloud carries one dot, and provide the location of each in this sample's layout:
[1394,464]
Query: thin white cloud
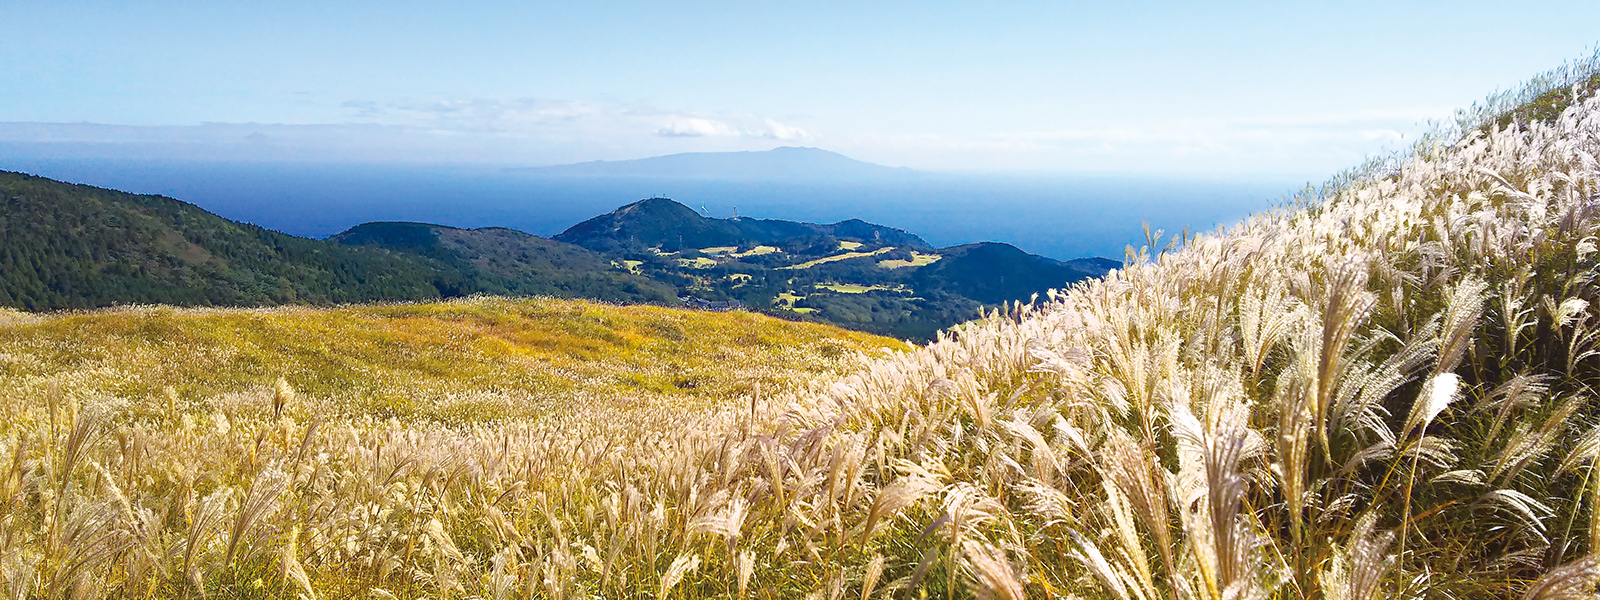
[680,126]
[776,130]
[539,118]
[518,132]
[544,132]
[700,126]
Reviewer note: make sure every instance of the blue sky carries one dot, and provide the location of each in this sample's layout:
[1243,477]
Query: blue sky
[1223,89]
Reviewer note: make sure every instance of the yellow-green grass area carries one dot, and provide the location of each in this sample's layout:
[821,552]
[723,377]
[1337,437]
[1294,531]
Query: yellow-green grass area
[698,262]
[757,251]
[631,266]
[739,279]
[464,361]
[838,257]
[918,259]
[786,300]
[280,453]
[715,250]
[848,245]
[855,288]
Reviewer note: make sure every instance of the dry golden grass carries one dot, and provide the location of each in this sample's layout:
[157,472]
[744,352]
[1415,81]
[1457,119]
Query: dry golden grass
[460,362]
[917,259]
[160,452]
[1386,393]
[838,257]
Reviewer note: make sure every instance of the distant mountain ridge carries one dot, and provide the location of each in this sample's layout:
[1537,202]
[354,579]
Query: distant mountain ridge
[779,163]
[72,246]
[75,246]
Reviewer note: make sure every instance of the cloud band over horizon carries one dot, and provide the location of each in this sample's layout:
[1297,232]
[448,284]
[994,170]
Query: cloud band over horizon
[548,132]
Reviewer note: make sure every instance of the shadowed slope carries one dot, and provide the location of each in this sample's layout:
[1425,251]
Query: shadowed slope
[64,245]
[502,261]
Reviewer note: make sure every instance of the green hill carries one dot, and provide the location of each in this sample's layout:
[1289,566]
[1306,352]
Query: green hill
[75,246]
[503,261]
[993,273]
[852,273]
[670,226]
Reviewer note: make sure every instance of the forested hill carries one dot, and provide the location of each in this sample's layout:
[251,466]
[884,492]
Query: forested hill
[502,261]
[72,246]
[852,273]
[667,225]
[75,246]
[992,273]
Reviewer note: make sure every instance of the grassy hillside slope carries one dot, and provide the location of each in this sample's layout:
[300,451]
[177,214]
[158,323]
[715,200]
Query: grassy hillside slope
[197,402]
[459,362]
[1386,393]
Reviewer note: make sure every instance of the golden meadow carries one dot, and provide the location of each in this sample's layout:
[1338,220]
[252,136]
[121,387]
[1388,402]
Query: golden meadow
[1387,392]
[198,405]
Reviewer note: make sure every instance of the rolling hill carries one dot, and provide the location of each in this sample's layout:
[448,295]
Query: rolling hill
[72,246]
[852,273]
[503,261]
[667,225]
[993,273]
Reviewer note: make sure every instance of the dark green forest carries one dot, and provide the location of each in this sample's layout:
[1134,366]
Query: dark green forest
[66,246]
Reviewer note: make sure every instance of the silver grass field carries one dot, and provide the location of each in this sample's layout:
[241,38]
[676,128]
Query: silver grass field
[1385,391]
